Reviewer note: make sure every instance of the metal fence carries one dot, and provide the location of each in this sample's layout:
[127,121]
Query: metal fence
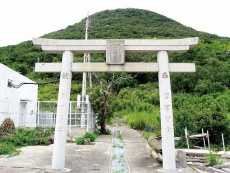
[78,116]
[45,113]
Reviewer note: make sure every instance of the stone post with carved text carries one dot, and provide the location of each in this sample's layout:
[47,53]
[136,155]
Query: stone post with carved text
[167,130]
[59,149]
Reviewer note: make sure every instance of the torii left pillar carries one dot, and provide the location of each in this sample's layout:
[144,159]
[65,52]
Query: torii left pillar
[59,149]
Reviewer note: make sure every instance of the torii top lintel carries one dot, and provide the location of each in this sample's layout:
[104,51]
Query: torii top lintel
[131,45]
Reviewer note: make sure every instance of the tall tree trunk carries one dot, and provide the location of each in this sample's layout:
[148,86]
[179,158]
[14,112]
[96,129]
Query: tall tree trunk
[104,116]
[102,123]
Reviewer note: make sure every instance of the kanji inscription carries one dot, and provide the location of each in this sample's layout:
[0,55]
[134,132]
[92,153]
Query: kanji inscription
[115,53]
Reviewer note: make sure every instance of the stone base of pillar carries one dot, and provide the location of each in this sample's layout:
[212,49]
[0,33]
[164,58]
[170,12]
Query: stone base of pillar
[58,170]
[169,171]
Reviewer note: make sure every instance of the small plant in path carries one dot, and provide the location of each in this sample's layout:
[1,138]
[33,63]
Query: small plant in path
[213,159]
[119,135]
[91,136]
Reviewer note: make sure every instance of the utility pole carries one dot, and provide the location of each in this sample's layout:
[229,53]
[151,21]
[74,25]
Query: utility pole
[85,60]
[86,55]
[89,74]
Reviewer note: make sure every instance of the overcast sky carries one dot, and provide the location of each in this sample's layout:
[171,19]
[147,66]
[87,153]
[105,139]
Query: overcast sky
[21,20]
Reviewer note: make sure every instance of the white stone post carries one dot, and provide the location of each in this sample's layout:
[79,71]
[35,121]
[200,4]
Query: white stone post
[83,105]
[59,149]
[38,113]
[167,129]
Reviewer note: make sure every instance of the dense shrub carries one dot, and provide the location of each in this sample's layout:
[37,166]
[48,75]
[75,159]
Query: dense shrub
[91,136]
[80,141]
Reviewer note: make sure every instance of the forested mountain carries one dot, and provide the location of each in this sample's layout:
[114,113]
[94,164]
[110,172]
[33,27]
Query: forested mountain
[200,99]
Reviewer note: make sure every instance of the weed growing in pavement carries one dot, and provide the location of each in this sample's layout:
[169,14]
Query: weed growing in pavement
[117,146]
[213,159]
[114,157]
[118,171]
[119,135]
[121,159]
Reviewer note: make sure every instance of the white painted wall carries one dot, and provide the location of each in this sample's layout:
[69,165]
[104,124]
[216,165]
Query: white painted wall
[15,101]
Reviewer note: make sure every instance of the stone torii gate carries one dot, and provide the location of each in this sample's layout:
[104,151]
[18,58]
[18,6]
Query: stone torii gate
[115,62]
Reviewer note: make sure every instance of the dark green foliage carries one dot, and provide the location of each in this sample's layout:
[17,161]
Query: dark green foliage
[91,136]
[194,111]
[144,97]
[80,141]
[24,137]
[210,112]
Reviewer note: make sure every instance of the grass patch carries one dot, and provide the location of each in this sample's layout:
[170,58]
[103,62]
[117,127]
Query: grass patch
[143,121]
[16,153]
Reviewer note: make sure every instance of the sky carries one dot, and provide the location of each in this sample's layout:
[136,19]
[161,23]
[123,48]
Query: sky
[21,20]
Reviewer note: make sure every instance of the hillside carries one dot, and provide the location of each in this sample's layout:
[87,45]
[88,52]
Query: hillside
[197,95]
[129,23]
[211,55]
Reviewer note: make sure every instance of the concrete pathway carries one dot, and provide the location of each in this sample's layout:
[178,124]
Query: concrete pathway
[137,157]
[85,158]
[79,158]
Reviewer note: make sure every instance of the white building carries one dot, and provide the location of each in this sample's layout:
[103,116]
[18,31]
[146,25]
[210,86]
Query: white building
[20,104]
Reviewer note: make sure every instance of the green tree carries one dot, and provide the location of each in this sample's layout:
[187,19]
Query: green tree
[103,96]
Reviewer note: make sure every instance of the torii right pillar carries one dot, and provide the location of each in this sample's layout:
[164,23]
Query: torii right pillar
[166,112]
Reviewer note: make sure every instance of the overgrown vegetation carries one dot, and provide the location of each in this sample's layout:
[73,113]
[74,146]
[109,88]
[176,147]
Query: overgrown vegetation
[200,99]
[139,107]
[10,142]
